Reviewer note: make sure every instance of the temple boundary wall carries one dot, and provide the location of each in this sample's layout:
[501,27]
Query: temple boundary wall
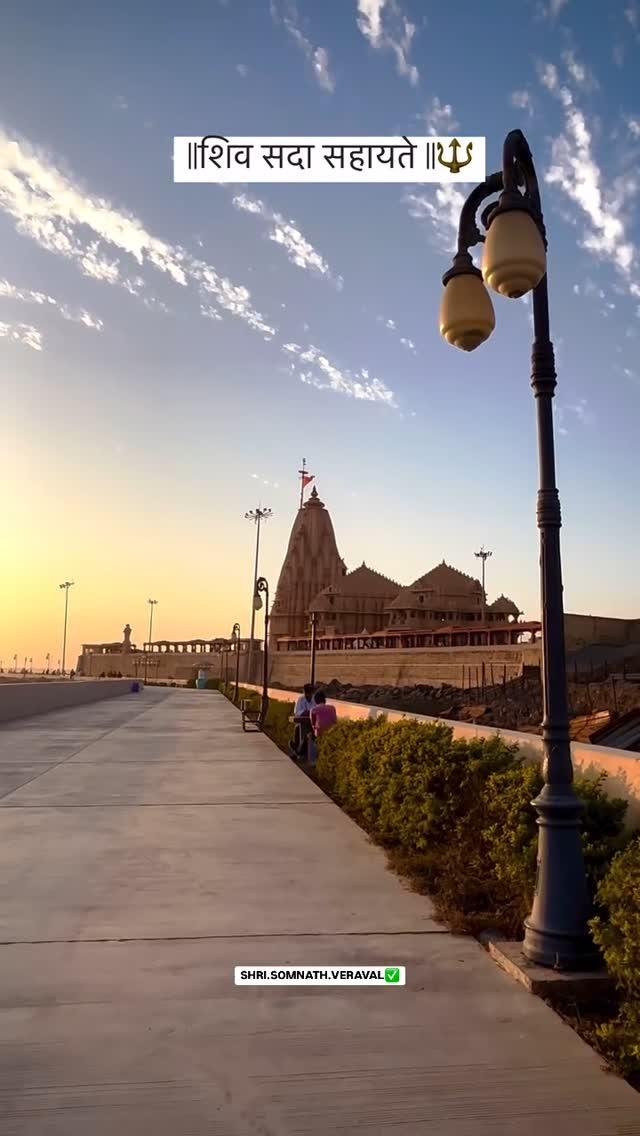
[404,666]
[621,766]
[21,700]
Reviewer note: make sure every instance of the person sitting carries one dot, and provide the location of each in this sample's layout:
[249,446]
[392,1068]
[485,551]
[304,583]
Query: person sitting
[323,717]
[302,720]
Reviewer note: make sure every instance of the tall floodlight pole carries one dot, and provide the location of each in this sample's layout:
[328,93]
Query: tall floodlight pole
[257,516]
[483,555]
[514,263]
[67,584]
[152,604]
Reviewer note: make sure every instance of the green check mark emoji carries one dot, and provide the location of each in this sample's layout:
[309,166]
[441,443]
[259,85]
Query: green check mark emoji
[392,974]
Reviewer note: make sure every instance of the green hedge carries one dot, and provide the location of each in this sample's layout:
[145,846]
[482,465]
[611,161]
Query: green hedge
[456,817]
[456,814]
[617,933]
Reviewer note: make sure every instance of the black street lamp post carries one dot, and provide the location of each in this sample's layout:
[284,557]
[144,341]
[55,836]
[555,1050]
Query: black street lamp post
[235,635]
[514,262]
[263,586]
[312,673]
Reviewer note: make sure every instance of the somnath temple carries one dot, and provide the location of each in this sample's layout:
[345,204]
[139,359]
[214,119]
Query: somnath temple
[314,584]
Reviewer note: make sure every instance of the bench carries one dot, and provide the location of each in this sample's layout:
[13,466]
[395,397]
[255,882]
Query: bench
[251,715]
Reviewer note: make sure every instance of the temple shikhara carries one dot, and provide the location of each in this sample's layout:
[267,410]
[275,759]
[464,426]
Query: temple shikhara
[444,607]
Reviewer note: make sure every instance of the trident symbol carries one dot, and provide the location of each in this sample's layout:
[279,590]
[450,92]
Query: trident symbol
[454,165]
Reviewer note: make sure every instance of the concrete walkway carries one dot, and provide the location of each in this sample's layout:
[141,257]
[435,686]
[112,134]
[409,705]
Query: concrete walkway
[147,847]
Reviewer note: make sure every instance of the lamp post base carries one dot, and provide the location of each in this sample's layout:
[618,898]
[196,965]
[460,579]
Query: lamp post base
[556,932]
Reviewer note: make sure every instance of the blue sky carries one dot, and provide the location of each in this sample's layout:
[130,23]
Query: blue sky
[143,325]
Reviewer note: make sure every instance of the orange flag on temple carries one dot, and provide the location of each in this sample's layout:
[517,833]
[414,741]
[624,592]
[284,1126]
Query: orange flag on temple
[307,478]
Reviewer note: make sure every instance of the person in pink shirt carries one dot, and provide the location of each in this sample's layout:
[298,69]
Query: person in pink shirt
[323,717]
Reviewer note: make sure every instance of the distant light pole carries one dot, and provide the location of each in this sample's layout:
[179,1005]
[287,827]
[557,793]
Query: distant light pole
[514,263]
[263,586]
[152,604]
[483,555]
[257,516]
[48,658]
[15,664]
[67,584]
[235,635]
[312,673]
[24,668]
[30,666]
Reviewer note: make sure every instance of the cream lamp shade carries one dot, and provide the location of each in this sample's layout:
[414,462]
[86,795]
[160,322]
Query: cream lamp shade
[466,312]
[514,258]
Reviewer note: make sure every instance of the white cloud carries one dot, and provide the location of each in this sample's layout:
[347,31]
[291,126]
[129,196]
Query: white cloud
[522,101]
[632,15]
[391,325]
[210,313]
[440,119]
[317,57]
[242,69]
[555,7]
[576,173]
[441,208]
[23,333]
[384,25]
[120,103]
[314,369]
[633,126]
[48,207]
[548,75]
[298,249]
[27,296]
[579,72]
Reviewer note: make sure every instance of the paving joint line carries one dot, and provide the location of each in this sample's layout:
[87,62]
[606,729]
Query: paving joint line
[216,938]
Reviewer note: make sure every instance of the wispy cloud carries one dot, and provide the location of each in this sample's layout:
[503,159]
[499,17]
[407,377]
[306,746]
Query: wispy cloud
[391,325]
[298,249]
[120,103]
[579,72]
[554,8]
[440,208]
[522,101]
[265,481]
[577,412]
[27,296]
[313,368]
[242,70]
[23,333]
[440,119]
[575,171]
[317,57]
[385,26]
[56,213]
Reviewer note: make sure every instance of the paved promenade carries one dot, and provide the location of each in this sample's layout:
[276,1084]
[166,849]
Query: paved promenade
[147,846]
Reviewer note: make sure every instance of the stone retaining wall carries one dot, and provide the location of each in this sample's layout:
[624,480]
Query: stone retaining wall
[21,701]
[404,666]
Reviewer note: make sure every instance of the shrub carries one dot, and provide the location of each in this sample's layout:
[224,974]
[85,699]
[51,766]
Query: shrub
[457,815]
[617,933]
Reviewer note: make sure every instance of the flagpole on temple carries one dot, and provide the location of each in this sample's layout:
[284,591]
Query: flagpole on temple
[302,474]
